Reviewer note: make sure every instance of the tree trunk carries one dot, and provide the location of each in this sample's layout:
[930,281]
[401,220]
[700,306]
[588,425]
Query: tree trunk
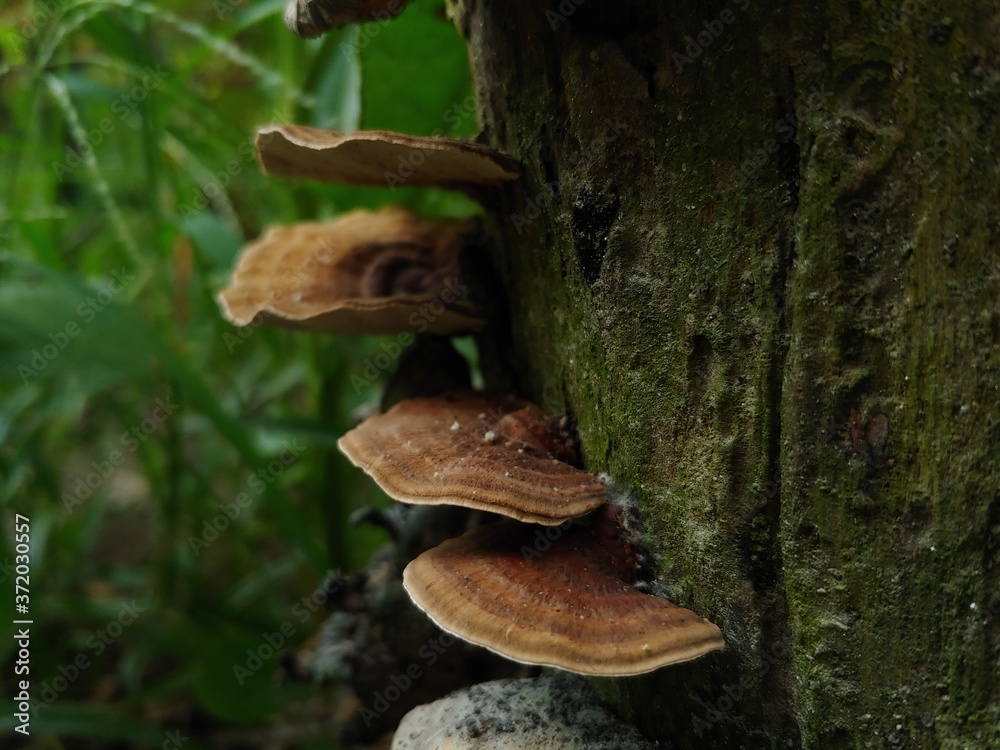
[755,255]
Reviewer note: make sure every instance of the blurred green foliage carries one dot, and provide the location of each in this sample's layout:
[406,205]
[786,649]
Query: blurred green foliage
[132,416]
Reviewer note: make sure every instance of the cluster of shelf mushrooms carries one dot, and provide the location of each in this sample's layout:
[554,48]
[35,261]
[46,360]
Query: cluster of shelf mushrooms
[539,587]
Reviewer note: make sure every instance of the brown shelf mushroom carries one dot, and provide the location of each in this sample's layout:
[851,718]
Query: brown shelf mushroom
[553,712]
[567,606]
[382,159]
[493,453]
[363,273]
[311,18]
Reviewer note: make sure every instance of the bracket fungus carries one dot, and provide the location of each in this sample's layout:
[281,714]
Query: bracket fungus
[311,18]
[363,273]
[493,453]
[569,607]
[382,159]
[551,712]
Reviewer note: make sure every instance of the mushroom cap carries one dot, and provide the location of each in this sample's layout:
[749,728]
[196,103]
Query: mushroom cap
[363,273]
[381,158]
[558,603]
[556,711]
[493,453]
[311,18]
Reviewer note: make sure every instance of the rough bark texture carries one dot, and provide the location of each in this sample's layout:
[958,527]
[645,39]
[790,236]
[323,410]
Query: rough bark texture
[755,254]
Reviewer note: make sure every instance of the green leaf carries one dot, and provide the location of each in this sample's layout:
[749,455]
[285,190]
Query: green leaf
[234,678]
[415,74]
[216,240]
[52,324]
[337,85]
[11,44]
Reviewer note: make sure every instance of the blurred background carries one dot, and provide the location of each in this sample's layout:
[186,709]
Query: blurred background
[179,475]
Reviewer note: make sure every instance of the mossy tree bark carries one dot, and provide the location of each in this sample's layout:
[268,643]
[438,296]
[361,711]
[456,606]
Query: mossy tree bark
[755,254]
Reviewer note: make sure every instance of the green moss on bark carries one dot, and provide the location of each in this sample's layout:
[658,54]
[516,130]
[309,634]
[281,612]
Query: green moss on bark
[764,281]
